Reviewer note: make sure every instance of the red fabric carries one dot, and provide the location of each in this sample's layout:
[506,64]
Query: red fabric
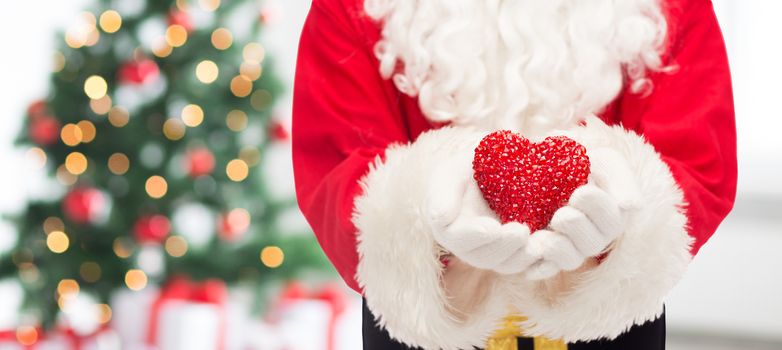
[345,115]
[689,116]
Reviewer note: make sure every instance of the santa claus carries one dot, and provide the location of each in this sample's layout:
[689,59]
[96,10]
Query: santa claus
[393,96]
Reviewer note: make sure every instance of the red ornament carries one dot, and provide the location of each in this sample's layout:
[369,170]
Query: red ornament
[234,224]
[44,130]
[37,109]
[84,205]
[199,162]
[270,14]
[279,131]
[152,229]
[527,182]
[177,17]
[138,72]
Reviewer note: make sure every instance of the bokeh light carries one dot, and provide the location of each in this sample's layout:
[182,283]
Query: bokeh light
[162,49]
[101,106]
[250,70]
[95,87]
[57,242]
[222,38]
[119,164]
[76,163]
[83,33]
[68,289]
[53,224]
[87,131]
[64,176]
[110,21]
[250,155]
[236,120]
[237,170]
[176,246]
[241,86]
[174,129]
[176,35]
[26,335]
[29,273]
[254,53]
[261,100]
[207,71]
[209,5]
[90,271]
[135,279]
[156,186]
[37,155]
[71,134]
[118,116]
[192,115]
[123,247]
[272,256]
[105,313]
[59,62]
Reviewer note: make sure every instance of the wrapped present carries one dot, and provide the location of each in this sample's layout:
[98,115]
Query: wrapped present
[182,314]
[316,313]
[189,315]
[131,312]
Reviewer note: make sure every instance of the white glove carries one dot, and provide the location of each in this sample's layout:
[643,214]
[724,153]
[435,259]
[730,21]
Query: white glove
[464,225]
[594,217]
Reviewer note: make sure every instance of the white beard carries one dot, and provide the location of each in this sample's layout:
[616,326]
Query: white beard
[525,65]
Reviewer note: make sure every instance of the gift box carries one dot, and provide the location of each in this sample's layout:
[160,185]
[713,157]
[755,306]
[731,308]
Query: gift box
[319,319]
[189,315]
[180,315]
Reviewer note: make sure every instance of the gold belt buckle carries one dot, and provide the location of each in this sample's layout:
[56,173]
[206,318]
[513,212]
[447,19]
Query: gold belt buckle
[506,338]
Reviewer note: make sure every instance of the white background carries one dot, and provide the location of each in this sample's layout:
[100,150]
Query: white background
[734,287]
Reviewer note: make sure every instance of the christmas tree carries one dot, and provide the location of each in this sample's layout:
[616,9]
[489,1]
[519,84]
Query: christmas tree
[154,131]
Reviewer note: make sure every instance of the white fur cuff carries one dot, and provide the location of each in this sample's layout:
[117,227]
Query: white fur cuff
[404,282]
[646,261]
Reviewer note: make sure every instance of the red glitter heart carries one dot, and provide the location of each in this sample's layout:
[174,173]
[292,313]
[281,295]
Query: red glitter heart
[527,182]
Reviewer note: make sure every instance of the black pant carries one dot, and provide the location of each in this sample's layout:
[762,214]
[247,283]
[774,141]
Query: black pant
[649,336]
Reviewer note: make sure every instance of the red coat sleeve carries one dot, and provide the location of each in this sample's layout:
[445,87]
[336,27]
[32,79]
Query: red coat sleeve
[689,116]
[344,115]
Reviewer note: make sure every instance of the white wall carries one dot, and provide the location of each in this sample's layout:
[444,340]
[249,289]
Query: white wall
[734,287]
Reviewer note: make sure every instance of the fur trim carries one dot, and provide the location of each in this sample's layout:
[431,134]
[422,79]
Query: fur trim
[422,304]
[644,264]
[404,282]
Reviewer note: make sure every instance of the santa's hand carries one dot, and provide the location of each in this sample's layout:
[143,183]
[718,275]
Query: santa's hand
[485,243]
[594,217]
[446,189]
[464,225]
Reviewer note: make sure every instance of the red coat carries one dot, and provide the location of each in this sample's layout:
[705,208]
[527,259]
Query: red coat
[345,115]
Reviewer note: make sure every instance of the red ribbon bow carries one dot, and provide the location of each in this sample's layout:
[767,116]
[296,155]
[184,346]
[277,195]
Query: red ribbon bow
[77,340]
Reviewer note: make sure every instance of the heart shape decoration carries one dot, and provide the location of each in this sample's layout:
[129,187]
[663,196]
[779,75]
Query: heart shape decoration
[527,182]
